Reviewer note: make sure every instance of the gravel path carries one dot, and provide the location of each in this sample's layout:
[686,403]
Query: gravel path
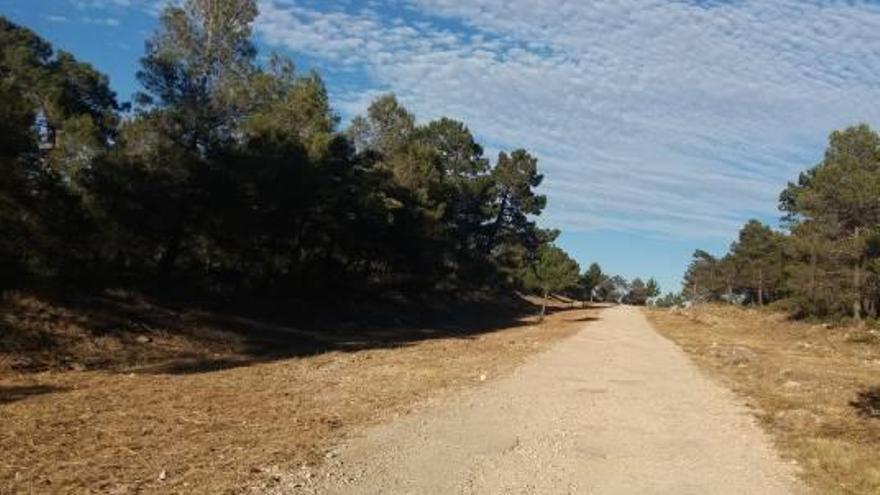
[616,409]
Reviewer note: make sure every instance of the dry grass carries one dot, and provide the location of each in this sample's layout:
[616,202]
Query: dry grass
[811,386]
[224,431]
[40,334]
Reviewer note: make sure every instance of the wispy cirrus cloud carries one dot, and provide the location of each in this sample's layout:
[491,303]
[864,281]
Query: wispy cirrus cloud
[679,118]
[667,117]
[100,21]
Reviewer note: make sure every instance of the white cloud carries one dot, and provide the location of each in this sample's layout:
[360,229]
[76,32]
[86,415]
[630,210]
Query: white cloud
[56,18]
[655,116]
[100,4]
[100,21]
[150,6]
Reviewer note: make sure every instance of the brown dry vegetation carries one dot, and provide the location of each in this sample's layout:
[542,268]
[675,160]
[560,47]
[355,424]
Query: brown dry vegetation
[812,386]
[219,422]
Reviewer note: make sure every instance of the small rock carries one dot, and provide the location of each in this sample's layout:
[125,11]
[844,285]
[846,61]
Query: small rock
[791,384]
[163,475]
[483,377]
[331,454]
[143,339]
[77,367]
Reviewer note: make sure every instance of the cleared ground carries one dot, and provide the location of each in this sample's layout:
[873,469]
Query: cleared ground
[255,400]
[616,409]
[814,387]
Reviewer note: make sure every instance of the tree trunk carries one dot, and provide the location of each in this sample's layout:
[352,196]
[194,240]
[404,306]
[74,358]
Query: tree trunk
[813,263]
[857,291]
[760,287]
[496,226]
[543,306]
[172,250]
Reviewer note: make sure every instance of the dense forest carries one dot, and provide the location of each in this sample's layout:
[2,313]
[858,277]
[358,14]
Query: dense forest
[826,262]
[227,175]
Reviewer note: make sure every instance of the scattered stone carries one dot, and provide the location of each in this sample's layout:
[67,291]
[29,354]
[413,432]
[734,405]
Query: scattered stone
[77,367]
[483,377]
[163,475]
[143,339]
[791,384]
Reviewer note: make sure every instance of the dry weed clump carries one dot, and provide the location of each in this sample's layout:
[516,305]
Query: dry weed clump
[814,388]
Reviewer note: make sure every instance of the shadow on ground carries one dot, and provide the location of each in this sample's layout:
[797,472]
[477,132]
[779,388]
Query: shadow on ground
[41,332]
[14,393]
[867,403]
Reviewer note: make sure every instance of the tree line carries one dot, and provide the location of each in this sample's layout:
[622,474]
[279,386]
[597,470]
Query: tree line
[826,259]
[227,174]
[555,271]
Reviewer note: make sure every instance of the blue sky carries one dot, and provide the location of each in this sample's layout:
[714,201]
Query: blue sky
[661,126]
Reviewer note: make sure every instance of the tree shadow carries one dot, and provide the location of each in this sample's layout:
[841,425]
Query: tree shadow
[176,336]
[584,319]
[867,403]
[15,393]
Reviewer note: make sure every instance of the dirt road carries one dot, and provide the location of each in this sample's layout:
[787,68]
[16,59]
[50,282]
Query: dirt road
[615,409]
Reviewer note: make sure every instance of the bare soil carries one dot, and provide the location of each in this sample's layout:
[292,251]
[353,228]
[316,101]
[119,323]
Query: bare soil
[813,387]
[614,410]
[172,401]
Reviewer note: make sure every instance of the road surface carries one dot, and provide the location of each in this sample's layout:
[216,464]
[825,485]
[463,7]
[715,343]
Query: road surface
[616,409]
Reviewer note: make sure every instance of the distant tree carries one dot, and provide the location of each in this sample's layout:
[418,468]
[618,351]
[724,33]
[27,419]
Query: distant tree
[701,278]
[833,212]
[387,128]
[196,67]
[759,251]
[727,277]
[637,293]
[614,288]
[465,191]
[515,178]
[829,263]
[590,280]
[553,270]
[670,300]
[194,73]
